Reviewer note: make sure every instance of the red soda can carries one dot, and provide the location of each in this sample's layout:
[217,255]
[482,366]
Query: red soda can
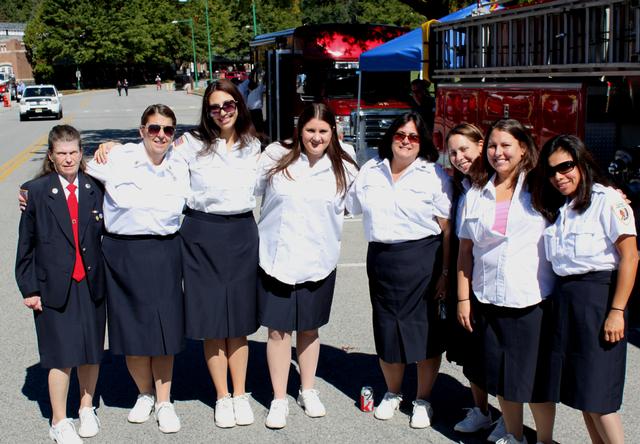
[366,399]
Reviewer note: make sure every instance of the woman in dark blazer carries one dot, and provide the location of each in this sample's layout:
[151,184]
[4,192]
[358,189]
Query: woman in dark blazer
[60,274]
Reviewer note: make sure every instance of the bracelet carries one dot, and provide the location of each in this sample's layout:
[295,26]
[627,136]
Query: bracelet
[615,308]
[463,300]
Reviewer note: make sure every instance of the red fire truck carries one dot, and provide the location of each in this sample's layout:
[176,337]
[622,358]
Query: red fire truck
[562,66]
[320,63]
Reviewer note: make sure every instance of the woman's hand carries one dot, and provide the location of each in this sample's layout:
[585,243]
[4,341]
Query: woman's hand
[465,317]
[22,199]
[614,326]
[102,153]
[33,302]
[441,288]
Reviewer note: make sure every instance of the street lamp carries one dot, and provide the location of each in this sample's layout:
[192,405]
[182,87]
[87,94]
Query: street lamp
[193,45]
[206,14]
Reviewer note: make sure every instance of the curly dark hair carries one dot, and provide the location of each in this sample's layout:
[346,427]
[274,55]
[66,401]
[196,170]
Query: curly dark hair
[427,149]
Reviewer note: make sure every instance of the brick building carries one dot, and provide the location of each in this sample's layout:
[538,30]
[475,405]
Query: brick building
[13,56]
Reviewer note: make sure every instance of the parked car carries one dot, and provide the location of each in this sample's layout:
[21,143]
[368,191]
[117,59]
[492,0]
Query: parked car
[40,100]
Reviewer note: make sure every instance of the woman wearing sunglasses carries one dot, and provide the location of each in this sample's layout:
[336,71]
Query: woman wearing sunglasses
[146,188]
[405,199]
[303,189]
[501,265]
[220,242]
[591,245]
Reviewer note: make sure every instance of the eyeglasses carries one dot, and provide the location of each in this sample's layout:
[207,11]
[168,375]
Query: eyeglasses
[400,136]
[562,168]
[154,130]
[227,106]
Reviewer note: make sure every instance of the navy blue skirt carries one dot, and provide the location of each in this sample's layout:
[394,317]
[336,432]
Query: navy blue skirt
[72,335]
[587,373]
[516,343]
[299,307]
[220,268]
[144,294]
[405,316]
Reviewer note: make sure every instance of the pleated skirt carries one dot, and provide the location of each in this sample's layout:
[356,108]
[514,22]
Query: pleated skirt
[299,307]
[516,350]
[405,316]
[144,294]
[220,268]
[587,373]
[72,335]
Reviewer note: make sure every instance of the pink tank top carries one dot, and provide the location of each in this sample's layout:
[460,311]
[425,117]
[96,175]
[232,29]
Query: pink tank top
[502,212]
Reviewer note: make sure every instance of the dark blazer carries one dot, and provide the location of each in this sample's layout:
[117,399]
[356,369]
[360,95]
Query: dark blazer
[46,249]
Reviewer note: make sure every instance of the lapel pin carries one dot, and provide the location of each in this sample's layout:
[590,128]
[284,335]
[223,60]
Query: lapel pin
[98,218]
[100,215]
[54,190]
[87,186]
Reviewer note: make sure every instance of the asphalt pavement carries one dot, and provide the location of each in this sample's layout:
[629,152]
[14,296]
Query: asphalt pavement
[347,357]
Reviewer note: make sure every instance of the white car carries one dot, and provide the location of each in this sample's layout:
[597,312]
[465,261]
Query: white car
[40,100]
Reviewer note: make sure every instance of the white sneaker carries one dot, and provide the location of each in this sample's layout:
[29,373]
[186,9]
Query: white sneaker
[421,415]
[310,402]
[143,408]
[388,406]
[64,432]
[510,439]
[498,432]
[278,412]
[224,415]
[89,422]
[168,421]
[474,421]
[242,410]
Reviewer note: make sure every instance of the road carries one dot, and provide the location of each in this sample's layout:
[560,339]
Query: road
[347,358]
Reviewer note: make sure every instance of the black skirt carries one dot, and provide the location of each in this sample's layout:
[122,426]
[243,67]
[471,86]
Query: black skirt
[72,335]
[144,294]
[517,343]
[299,307]
[405,316]
[587,373]
[220,269]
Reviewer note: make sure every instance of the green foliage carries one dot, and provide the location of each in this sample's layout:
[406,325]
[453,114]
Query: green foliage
[19,11]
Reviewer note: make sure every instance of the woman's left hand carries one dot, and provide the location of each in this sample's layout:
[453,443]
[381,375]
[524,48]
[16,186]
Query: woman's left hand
[441,288]
[614,326]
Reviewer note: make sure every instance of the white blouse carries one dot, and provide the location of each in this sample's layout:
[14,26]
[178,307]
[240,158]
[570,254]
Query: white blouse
[301,217]
[222,182]
[579,243]
[401,211]
[140,197]
[510,269]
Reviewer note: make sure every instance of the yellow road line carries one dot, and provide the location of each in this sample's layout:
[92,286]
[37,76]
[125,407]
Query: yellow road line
[7,168]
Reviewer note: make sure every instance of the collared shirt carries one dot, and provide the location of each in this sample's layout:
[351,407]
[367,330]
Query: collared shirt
[141,198]
[580,243]
[403,210]
[509,269]
[65,184]
[301,218]
[460,204]
[222,182]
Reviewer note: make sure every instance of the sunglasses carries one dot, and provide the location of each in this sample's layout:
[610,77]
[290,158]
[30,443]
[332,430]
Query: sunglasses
[228,106]
[154,130]
[400,136]
[562,168]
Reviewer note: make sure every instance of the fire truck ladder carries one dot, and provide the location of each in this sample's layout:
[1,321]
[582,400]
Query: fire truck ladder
[558,38]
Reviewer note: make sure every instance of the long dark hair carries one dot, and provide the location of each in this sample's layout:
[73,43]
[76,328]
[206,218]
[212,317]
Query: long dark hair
[334,151]
[427,150]
[60,133]
[546,199]
[474,134]
[481,172]
[208,131]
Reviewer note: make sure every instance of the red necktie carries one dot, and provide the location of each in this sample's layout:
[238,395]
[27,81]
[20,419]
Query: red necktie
[72,203]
